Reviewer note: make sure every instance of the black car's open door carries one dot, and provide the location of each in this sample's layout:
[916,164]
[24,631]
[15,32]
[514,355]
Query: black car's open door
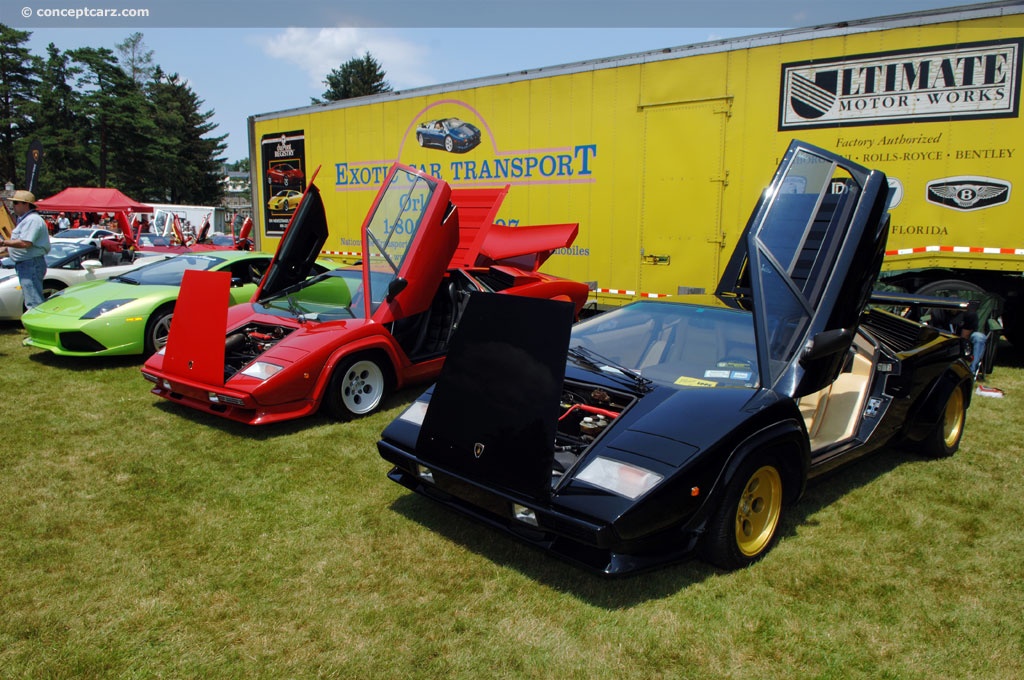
[808,260]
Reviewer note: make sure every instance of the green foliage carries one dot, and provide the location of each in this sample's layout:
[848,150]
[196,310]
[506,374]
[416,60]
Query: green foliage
[144,540]
[357,77]
[18,82]
[105,121]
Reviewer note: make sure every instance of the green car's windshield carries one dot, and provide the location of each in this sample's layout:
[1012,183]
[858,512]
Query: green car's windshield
[681,344]
[169,272]
[325,296]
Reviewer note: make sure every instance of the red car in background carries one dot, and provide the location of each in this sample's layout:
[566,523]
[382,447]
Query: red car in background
[343,339]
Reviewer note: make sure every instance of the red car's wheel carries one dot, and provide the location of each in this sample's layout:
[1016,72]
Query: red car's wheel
[357,388]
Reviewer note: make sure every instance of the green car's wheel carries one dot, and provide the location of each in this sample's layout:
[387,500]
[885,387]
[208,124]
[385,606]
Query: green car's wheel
[157,329]
[745,525]
[357,388]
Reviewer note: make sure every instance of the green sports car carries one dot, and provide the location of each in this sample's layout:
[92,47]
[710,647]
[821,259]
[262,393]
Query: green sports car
[131,313]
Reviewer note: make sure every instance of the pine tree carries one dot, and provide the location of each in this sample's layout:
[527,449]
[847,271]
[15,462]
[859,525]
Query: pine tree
[184,128]
[135,59]
[62,129]
[357,77]
[18,82]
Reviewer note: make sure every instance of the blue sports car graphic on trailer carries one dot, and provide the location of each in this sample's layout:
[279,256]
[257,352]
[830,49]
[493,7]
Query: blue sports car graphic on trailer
[665,428]
[451,134]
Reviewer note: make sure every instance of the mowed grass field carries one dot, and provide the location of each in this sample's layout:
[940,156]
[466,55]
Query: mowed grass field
[139,540]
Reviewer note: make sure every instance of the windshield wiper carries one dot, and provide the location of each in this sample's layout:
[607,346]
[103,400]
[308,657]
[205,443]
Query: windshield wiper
[591,359]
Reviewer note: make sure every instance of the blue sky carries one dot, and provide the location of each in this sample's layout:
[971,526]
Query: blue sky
[242,71]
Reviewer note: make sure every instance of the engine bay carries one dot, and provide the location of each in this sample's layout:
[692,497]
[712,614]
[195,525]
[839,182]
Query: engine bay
[585,412]
[244,344]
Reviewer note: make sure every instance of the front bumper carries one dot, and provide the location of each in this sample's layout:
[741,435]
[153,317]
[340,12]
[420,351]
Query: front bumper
[586,542]
[221,401]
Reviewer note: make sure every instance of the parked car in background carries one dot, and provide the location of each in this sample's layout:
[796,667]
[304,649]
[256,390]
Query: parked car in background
[84,235]
[131,313]
[345,338]
[664,428]
[451,134]
[68,263]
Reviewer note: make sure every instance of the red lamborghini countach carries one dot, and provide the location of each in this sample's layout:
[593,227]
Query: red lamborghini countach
[344,338]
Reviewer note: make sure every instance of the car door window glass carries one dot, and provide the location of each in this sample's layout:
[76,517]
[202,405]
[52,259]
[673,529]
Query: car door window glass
[797,244]
[394,225]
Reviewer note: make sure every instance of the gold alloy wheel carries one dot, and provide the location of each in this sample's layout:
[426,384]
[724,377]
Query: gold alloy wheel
[757,514]
[953,418]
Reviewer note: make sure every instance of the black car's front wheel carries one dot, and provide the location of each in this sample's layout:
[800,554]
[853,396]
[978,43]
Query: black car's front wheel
[357,388]
[745,525]
[944,439]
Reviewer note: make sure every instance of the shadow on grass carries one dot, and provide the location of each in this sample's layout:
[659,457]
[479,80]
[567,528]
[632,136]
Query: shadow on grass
[273,430]
[619,592]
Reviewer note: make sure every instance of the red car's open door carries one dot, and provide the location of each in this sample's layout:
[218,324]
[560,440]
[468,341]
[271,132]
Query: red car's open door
[409,237]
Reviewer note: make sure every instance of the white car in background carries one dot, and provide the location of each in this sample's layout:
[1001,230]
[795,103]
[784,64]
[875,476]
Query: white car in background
[68,262]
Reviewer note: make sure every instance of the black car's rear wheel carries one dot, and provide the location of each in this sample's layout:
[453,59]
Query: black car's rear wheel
[745,525]
[944,439]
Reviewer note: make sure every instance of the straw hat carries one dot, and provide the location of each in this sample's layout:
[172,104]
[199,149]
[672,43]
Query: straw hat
[22,196]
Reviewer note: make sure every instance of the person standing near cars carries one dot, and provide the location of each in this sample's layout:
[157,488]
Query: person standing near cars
[27,246]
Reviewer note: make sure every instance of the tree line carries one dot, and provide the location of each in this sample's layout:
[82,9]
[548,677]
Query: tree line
[106,120]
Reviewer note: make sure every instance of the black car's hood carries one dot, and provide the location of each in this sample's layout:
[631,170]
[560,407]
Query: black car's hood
[494,409]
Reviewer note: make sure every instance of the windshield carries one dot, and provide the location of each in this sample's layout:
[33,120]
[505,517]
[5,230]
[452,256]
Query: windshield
[394,225]
[670,343]
[329,295]
[170,272]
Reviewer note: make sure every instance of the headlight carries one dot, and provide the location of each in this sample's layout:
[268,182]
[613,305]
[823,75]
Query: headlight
[261,370]
[104,307]
[415,413]
[621,478]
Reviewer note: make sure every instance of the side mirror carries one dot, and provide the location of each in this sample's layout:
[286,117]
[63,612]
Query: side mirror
[395,287]
[91,265]
[827,343]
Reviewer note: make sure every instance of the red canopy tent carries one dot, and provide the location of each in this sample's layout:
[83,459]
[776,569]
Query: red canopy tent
[91,199]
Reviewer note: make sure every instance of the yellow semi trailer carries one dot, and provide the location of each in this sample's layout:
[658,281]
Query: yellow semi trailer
[660,155]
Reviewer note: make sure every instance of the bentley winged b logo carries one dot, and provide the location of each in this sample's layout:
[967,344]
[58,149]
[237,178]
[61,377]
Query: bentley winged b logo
[478,450]
[968,193]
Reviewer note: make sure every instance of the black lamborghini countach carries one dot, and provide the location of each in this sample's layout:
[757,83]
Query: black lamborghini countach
[665,428]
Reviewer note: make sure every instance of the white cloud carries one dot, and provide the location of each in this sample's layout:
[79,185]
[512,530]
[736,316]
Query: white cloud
[319,51]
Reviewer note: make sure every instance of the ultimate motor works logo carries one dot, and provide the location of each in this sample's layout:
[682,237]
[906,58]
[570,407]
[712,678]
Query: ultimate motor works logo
[971,80]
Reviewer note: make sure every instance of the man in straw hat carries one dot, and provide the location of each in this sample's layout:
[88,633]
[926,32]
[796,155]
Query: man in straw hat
[27,246]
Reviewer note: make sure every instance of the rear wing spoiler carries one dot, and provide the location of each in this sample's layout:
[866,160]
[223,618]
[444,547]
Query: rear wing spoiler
[890,299]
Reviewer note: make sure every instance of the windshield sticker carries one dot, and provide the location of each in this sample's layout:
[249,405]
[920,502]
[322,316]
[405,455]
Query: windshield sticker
[695,382]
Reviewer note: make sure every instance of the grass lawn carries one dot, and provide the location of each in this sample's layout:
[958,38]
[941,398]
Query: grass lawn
[138,539]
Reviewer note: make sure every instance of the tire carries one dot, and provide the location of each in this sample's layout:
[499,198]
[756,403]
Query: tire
[419,139]
[948,288]
[448,143]
[745,525]
[357,388]
[944,439]
[157,329]
[51,287]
